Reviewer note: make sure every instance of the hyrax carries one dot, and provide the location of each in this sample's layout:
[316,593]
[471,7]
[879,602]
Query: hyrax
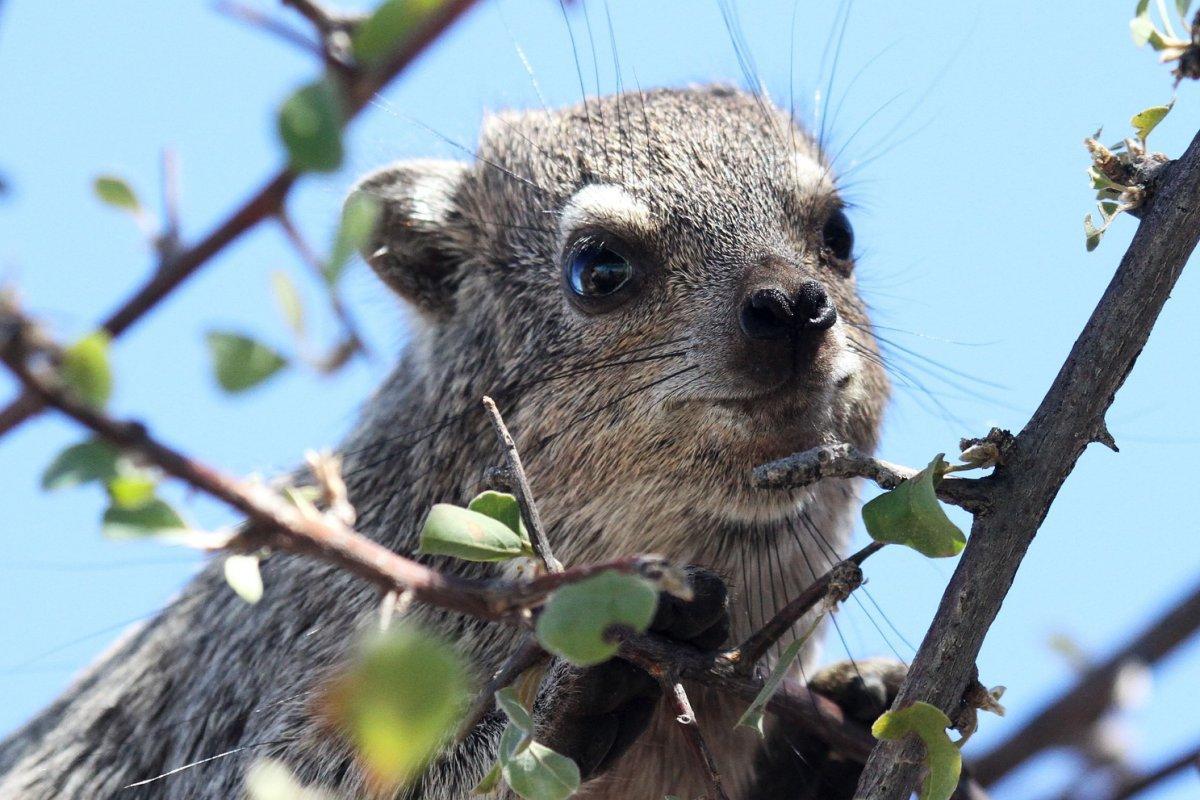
[658,289]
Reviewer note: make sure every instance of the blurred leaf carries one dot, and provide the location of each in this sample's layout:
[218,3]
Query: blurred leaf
[1182,7]
[382,33]
[116,192]
[400,701]
[93,460]
[310,124]
[1145,121]
[242,575]
[240,362]
[268,779]
[131,489]
[489,781]
[911,515]
[462,533]
[943,761]
[288,298]
[150,519]
[86,370]
[576,622]
[1092,233]
[359,217]
[753,716]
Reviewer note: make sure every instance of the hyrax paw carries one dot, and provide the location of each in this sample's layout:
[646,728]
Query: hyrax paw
[702,621]
[863,689]
[595,713]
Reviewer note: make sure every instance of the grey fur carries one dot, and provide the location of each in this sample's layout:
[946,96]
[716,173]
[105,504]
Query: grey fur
[630,457]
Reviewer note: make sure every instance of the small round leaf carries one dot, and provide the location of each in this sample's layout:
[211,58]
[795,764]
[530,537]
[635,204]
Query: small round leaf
[576,622]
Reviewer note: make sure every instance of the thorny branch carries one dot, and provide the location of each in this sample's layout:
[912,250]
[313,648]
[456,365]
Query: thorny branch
[176,267]
[1039,460]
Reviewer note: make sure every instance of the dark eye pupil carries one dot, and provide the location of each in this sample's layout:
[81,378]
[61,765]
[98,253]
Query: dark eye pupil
[839,236]
[598,271]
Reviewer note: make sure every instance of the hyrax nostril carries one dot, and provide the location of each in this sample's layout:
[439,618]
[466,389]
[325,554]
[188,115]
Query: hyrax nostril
[767,313]
[813,308]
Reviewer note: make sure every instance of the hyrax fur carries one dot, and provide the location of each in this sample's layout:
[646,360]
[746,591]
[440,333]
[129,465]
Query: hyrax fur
[657,288]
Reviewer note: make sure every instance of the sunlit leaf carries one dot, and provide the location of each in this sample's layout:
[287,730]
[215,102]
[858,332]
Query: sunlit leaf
[242,575]
[539,773]
[943,761]
[911,515]
[116,192]
[241,363]
[1182,7]
[1145,121]
[460,532]
[93,460]
[152,518]
[381,34]
[502,507]
[400,701]
[287,296]
[1092,233]
[359,217]
[310,125]
[511,705]
[86,371]
[577,621]
[131,489]
[753,716]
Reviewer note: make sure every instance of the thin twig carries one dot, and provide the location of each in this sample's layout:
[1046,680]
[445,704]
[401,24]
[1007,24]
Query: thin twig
[520,485]
[847,461]
[528,655]
[1135,786]
[686,718]
[1038,462]
[842,579]
[264,22]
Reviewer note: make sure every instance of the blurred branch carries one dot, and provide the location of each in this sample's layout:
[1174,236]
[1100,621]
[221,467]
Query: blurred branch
[1070,417]
[361,86]
[1135,786]
[1073,713]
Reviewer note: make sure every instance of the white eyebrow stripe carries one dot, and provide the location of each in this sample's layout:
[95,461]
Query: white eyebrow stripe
[605,205]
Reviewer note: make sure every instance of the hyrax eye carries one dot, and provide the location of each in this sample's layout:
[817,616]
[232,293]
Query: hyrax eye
[597,276]
[838,236]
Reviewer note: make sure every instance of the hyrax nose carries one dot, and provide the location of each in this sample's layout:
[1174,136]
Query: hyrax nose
[770,313]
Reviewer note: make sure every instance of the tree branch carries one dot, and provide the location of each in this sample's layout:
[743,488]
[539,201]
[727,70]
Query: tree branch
[263,204]
[686,718]
[1038,462]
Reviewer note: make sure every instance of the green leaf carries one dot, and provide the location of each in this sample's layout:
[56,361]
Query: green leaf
[576,622]
[359,217]
[460,532]
[86,371]
[117,193]
[943,761]
[149,519]
[501,507]
[753,716]
[382,33]
[131,489]
[1145,121]
[1101,182]
[400,701]
[539,773]
[310,125]
[511,705]
[1092,233]
[93,460]
[489,782]
[288,298]
[242,575]
[1182,7]
[241,363]
[911,515]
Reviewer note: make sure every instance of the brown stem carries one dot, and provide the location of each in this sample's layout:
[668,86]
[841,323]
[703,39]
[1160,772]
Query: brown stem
[264,203]
[1135,786]
[520,485]
[1039,460]
[528,654]
[686,718]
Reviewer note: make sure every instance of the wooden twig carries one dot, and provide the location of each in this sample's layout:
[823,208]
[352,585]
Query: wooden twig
[686,718]
[837,584]
[1081,706]
[520,484]
[1132,787]
[847,461]
[528,655]
[1039,460]
[263,204]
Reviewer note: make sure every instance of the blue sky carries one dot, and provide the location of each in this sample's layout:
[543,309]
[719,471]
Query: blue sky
[958,128]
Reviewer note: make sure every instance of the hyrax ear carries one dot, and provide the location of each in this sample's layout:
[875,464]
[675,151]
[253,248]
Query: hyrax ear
[415,248]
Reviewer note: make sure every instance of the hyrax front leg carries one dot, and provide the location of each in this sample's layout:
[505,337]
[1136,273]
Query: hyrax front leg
[594,714]
[798,765]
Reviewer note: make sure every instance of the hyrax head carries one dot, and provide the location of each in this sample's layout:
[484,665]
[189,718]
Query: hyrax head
[659,288]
